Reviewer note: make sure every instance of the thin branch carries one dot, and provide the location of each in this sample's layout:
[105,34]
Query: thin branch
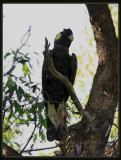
[5,129]
[24,43]
[28,140]
[31,134]
[114,124]
[17,51]
[31,150]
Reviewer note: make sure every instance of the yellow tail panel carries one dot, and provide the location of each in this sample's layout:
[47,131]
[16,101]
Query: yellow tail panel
[56,117]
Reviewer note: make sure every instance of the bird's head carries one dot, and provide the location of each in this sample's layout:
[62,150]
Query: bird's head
[64,38]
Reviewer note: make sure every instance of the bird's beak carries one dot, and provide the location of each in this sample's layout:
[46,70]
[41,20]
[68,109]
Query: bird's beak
[71,37]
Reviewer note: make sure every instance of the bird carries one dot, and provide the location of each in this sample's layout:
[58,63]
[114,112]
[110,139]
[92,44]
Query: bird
[54,92]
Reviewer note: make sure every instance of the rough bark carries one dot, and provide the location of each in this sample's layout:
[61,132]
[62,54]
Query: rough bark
[91,140]
[113,150]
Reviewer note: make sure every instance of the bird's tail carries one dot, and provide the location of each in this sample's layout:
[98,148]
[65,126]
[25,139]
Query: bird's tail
[56,121]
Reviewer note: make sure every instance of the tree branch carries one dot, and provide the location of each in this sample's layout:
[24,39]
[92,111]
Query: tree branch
[65,81]
[31,135]
[28,140]
[31,150]
[18,49]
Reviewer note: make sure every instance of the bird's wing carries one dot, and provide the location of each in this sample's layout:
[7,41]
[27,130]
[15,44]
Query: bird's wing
[73,67]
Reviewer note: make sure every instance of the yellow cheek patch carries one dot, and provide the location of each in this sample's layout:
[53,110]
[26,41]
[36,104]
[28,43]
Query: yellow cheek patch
[58,36]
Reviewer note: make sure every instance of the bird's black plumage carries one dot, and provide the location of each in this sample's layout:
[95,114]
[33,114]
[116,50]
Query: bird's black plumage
[54,92]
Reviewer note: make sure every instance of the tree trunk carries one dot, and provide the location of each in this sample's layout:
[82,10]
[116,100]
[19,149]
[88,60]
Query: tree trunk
[8,151]
[113,149]
[91,140]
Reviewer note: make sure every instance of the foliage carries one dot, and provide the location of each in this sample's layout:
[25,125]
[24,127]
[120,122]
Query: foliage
[22,101]
[114,13]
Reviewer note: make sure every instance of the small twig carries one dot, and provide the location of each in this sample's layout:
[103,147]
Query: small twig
[29,139]
[17,51]
[31,135]
[40,149]
[24,43]
[114,124]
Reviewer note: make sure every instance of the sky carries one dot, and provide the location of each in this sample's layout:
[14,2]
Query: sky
[46,20]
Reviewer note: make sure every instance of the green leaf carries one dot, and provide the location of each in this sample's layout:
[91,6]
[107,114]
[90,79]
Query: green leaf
[36,53]
[41,117]
[29,77]
[33,109]
[6,55]
[32,146]
[21,120]
[23,61]
[25,69]
[35,137]
[41,106]
[33,119]
[34,88]
[9,83]
[27,84]
[15,86]
[44,124]
[10,115]
[26,55]
[21,90]
[42,136]
[11,103]
[19,93]
[14,53]
[29,118]
[17,131]
[18,107]
[27,96]
[18,145]
[67,105]
[21,79]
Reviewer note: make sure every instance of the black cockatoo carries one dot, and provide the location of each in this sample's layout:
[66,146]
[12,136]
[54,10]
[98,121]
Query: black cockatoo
[54,92]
